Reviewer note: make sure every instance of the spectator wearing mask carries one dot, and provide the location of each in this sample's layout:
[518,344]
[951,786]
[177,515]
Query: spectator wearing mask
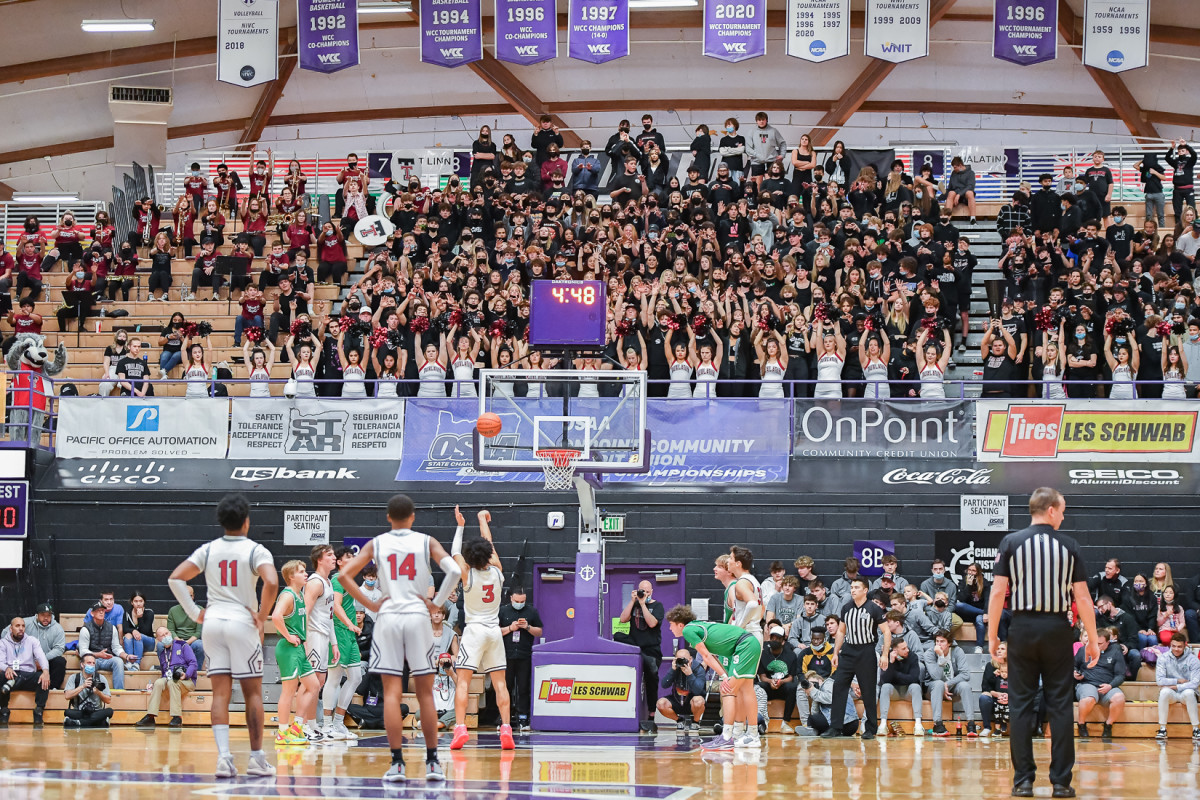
[89,697]
[1015,215]
[1045,207]
[182,627]
[802,627]
[521,625]
[777,670]
[546,135]
[553,167]
[644,616]
[43,627]
[1098,685]
[25,668]
[1119,235]
[100,638]
[687,681]
[177,676]
[649,136]
[949,677]
[939,581]
[820,697]
[972,602]
[1177,673]
[1182,158]
[1141,603]
[902,680]
[585,170]
[817,655]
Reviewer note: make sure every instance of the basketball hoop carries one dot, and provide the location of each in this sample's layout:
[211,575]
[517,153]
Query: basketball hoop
[559,466]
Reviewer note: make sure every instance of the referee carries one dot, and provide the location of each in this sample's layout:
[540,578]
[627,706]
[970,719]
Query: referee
[854,657]
[1045,571]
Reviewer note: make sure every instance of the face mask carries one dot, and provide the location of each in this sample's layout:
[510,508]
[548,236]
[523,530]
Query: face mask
[1118,219]
[1193,337]
[1081,336]
[729,129]
[369,583]
[195,172]
[647,125]
[90,669]
[1120,340]
[585,150]
[1139,587]
[351,165]
[1179,306]
[166,640]
[80,275]
[518,606]
[775,646]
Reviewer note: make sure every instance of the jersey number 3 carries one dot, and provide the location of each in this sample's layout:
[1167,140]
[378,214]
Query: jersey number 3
[406,568]
[228,573]
[489,594]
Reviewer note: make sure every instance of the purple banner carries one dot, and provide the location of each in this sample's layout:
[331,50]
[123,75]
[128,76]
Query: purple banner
[598,30]
[1026,31]
[735,31]
[526,31]
[328,34]
[451,32]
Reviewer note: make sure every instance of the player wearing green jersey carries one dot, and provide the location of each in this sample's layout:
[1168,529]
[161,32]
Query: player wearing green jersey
[348,661]
[294,670]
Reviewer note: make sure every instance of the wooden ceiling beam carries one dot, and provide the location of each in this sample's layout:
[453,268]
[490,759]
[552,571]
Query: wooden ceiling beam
[6,192]
[519,96]
[271,92]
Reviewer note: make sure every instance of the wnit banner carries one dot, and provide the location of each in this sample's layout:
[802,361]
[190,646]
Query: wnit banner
[451,32]
[526,31]
[1026,31]
[897,30]
[598,30]
[735,31]
[328,34]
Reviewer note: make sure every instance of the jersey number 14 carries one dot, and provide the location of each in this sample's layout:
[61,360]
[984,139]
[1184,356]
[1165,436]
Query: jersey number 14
[406,568]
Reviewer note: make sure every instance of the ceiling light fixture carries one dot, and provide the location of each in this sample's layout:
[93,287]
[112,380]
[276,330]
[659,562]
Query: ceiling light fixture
[385,7]
[117,25]
[45,197]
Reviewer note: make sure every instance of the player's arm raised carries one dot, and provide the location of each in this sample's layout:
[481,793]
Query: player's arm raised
[456,545]
[485,530]
[346,576]
[452,574]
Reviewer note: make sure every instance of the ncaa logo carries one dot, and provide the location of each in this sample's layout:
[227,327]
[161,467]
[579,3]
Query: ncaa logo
[817,48]
[247,73]
[141,418]
[1115,58]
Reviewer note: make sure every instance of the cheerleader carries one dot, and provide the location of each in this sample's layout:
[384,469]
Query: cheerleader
[630,356]
[462,360]
[502,358]
[1124,366]
[874,353]
[431,372]
[197,372]
[587,387]
[681,369]
[707,365]
[1174,367]
[389,371]
[304,369]
[772,361]
[1054,363]
[258,366]
[933,361]
[832,348]
[354,377]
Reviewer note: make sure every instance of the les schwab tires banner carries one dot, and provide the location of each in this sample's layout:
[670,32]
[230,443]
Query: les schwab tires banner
[142,427]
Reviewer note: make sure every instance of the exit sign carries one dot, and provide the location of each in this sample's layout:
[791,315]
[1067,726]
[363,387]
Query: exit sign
[612,525]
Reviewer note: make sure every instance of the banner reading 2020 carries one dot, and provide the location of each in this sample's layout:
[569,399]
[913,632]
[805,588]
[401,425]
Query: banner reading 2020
[1116,34]
[526,31]
[248,42]
[735,31]
[451,32]
[1025,31]
[897,30]
[818,30]
[598,30]
[327,33]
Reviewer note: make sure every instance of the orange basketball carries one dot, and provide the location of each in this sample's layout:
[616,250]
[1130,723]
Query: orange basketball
[488,424]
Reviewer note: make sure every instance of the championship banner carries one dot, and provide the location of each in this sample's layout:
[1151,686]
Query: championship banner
[142,427]
[347,430]
[961,549]
[1097,431]
[1116,34]
[849,428]
[451,32]
[818,30]
[1025,31]
[897,30]
[327,34]
[248,42]
[526,31]
[598,30]
[735,31]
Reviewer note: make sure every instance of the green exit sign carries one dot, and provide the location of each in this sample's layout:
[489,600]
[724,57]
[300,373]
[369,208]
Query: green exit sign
[613,523]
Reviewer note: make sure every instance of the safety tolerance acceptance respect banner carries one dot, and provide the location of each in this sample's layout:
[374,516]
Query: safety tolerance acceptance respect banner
[313,428]
[248,42]
[327,34]
[735,31]
[897,30]
[451,32]
[598,30]
[1116,34]
[142,427]
[1026,31]
[526,31]
[818,30]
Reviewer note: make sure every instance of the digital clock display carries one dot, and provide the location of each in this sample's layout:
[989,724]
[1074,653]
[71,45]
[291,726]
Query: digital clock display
[568,313]
[14,506]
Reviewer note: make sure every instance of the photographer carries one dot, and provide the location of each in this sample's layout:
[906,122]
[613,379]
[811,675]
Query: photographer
[444,685]
[178,666]
[777,670]
[644,613]
[687,681]
[89,696]
[820,696]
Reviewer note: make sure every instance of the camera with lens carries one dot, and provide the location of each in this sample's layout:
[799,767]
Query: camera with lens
[641,593]
[680,663]
[805,683]
[178,673]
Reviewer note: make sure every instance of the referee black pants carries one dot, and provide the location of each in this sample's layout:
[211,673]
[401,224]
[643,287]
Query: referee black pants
[1039,646]
[857,661]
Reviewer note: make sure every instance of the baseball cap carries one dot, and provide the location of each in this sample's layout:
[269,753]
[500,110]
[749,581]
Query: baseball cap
[46,607]
[97,606]
[774,629]
[887,576]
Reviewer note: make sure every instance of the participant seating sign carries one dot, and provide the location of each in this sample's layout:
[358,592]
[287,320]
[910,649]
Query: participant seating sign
[735,31]
[451,32]
[327,33]
[526,31]
[897,30]
[818,30]
[1025,31]
[598,30]
[248,42]
[1116,34]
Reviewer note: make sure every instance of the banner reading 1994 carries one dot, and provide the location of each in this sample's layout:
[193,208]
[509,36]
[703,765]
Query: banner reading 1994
[818,30]
[735,31]
[451,32]
[1116,34]
[598,30]
[897,30]
[1025,31]
[526,31]
[248,42]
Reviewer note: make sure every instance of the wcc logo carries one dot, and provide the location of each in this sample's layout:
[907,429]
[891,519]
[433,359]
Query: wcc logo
[735,47]
[452,53]
[600,49]
[1026,50]
[323,433]
[527,50]
[896,47]
[330,58]
[142,419]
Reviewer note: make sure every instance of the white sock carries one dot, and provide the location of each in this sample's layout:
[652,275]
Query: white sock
[738,729]
[221,734]
[299,721]
[339,720]
[328,719]
[258,754]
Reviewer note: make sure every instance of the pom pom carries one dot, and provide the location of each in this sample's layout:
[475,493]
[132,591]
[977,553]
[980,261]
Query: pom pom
[189,329]
[624,327]
[874,320]
[933,324]
[360,328]
[499,329]
[456,318]
[1163,328]
[204,329]
[301,329]
[1045,320]
[419,324]
[254,334]
[764,324]
[1118,326]
[395,338]
[825,312]
[700,324]
[1178,328]
[344,323]
[378,337]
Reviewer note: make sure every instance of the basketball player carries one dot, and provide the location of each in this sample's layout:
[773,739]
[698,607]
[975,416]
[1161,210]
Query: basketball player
[482,647]
[402,629]
[348,662]
[295,673]
[746,596]
[233,624]
[320,646]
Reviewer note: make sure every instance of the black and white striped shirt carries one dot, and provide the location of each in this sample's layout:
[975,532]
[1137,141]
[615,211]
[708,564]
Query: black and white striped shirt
[1042,564]
[862,622]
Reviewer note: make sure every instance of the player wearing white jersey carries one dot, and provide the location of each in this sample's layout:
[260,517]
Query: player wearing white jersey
[402,628]
[318,604]
[747,614]
[233,624]
[482,645]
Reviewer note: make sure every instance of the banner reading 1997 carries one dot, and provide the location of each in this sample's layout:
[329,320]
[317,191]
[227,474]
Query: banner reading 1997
[451,32]
[735,31]
[897,30]
[1026,31]
[818,30]
[1116,34]
[598,30]
[526,31]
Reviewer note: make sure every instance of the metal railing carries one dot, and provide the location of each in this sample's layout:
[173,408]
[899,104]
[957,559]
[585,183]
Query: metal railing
[14,214]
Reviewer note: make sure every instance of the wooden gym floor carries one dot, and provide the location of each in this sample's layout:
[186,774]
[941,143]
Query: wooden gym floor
[127,764]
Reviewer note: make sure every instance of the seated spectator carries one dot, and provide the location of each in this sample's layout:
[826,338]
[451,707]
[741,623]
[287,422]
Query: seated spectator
[1170,615]
[902,679]
[801,628]
[777,670]
[939,581]
[891,566]
[806,575]
[687,681]
[138,626]
[43,627]
[820,696]
[1107,613]
[972,603]
[1109,582]
[816,657]
[177,667]
[99,638]
[1178,673]
[993,694]
[1143,605]
[133,373]
[773,584]
[114,614]
[1098,684]
[182,627]
[894,619]
[939,613]
[369,713]
[444,689]
[841,587]
[25,668]
[89,697]
[784,605]
[916,621]
[949,675]
[826,603]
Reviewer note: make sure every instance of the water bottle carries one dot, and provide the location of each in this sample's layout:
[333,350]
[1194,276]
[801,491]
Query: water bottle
[958,734]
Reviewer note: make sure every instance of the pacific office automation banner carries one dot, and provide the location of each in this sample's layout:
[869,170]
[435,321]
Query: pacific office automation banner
[350,430]
[849,428]
[328,34]
[142,427]
[1026,31]
[248,42]
[1096,431]
[451,32]
[1116,34]
[735,31]
[818,30]
[897,30]
[697,442]
[526,31]
[598,30]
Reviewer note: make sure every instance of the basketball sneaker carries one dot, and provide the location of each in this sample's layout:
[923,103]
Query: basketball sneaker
[289,737]
[748,742]
[719,743]
[259,767]
[335,733]
[395,773]
[225,768]
[345,733]
[506,738]
[314,734]
[433,771]
[461,735]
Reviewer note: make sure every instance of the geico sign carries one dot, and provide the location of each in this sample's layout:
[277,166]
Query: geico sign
[1124,476]
[818,425]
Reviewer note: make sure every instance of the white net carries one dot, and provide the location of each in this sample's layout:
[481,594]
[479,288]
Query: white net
[559,467]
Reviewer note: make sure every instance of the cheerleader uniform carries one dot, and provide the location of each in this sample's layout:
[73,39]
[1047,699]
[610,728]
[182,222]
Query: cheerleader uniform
[387,386]
[772,385]
[589,388]
[433,380]
[875,373]
[932,381]
[354,382]
[258,383]
[681,378]
[1052,385]
[304,375]
[829,376]
[1122,387]
[1173,385]
[464,377]
[706,380]
[197,381]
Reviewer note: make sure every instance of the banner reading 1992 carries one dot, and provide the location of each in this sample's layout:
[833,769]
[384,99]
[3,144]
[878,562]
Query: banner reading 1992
[818,30]
[1116,34]
[735,31]
[451,32]
[248,42]
[1025,31]
[897,30]
[327,33]
[526,31]
[598,30]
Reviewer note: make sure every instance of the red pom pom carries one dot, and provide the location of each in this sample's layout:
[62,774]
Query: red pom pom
[624,327]
[379,337]
[1045,319]
[498,329]
[1163,328]
[190,329]
[254,334]
[763,324]
[456,318]
[419,324]
[345,322]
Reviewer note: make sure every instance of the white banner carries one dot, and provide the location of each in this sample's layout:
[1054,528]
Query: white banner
[984,160]
[425,164]
[248,42]
[268,428]
[305,528]
[983,512]
[574,690]
[1116,34]
[818,30]
[142,427]
[897,30]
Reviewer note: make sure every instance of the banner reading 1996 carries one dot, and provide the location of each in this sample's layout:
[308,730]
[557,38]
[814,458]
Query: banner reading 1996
[248,42]
[1116,34]
[818,30]
[735,31]
[451,32]
[526,31]
[897,30]
[1025,31]
[598,30]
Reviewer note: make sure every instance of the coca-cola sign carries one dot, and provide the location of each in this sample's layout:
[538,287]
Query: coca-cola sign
[945,477]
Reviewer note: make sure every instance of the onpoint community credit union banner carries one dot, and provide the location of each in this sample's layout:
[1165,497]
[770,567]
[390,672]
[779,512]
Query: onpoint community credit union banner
[698,442]
[1026,31]
[735,31]
[818,30]
[848,428]
[897,30]
[598,30]
[451,32]
[248,42]
[142,427]
[1087,430]
[328,34]
[355,429]
[1116,34]
[526,31]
